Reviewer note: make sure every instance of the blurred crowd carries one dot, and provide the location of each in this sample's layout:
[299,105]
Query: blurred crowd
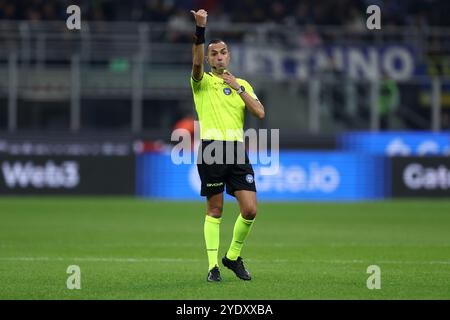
[287,12]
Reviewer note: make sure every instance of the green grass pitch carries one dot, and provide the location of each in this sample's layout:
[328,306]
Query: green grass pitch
[129,248]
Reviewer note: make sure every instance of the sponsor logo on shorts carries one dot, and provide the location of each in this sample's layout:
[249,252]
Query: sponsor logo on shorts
[249,178]
[216,184]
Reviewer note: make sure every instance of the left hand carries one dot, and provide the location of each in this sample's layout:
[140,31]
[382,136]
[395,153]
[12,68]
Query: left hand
[230,80]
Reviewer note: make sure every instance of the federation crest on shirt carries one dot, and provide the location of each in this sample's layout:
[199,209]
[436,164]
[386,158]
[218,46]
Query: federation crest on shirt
[227,91]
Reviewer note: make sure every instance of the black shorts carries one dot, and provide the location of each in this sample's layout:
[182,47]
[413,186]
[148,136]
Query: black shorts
[230,167]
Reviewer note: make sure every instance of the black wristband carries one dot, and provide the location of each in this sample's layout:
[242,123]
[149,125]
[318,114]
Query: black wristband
[199,37]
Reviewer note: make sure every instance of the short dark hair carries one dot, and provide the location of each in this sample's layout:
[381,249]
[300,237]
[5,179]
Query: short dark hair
[214,41]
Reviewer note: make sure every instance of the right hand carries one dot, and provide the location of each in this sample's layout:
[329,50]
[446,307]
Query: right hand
[200,17]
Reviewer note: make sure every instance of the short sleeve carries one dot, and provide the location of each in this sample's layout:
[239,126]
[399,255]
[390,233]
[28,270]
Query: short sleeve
[249,89]
[197,84]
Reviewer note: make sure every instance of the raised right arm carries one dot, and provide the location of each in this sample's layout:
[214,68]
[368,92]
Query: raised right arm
[198,48]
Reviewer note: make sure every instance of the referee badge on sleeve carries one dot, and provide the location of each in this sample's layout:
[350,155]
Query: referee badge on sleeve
[249,178]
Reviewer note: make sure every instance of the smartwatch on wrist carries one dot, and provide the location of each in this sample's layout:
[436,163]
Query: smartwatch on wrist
[240,90]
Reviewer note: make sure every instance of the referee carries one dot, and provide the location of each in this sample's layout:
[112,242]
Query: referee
[220,101]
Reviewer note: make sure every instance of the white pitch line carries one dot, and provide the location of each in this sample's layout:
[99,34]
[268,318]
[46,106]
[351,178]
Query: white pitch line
[265,245]
[379,262]
[97,259]
[180,260]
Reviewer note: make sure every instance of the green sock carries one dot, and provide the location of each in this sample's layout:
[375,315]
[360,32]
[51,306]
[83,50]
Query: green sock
[241,229]
[211,230]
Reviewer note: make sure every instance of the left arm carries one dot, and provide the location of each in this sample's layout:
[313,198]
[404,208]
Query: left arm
[253,105]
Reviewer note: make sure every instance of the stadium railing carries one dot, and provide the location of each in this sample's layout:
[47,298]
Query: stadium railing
[146,64]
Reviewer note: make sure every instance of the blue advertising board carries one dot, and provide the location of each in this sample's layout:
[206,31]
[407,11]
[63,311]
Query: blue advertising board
[324,176]
[397,143]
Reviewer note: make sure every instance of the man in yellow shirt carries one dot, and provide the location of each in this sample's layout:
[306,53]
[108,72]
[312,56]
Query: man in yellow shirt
[220,101]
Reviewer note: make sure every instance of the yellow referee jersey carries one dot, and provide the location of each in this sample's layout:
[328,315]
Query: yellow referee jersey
[219,108]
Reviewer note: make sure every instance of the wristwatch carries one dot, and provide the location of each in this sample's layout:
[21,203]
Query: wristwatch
[240,90]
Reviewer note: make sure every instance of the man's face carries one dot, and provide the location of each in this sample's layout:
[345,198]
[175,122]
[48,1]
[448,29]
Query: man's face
[218,56]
